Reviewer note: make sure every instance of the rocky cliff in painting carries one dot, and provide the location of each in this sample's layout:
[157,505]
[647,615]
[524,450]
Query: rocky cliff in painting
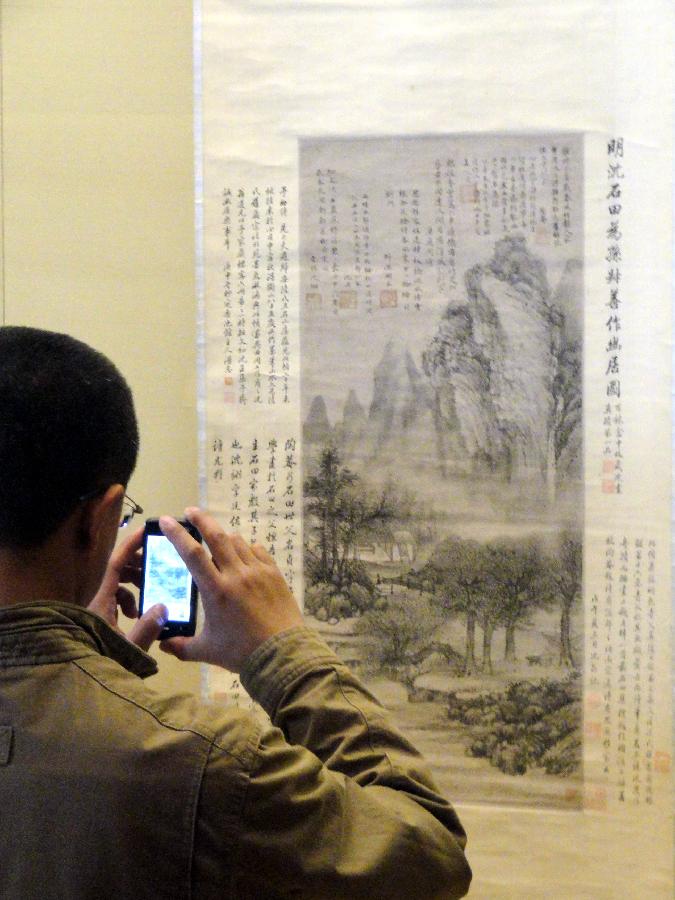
[498,390]
[505,371]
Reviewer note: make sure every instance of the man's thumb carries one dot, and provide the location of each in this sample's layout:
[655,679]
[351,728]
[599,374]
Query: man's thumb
[148,627]
[180,647]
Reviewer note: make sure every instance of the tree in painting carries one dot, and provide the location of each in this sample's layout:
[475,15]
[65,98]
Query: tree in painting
[459,570]
[565,574]
[345,512]
[518,574]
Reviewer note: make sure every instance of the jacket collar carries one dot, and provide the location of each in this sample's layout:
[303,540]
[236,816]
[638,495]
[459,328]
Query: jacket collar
[36,633]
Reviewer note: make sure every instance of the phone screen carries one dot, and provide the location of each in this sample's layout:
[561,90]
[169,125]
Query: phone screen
[167,579]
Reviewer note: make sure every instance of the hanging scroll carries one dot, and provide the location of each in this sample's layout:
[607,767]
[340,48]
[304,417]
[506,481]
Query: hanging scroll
[435,247]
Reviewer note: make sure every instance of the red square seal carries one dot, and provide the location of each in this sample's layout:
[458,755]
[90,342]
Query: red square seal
[468,193]
[229,394]
[662,762]
[388,299]
[347,300]
[596,799]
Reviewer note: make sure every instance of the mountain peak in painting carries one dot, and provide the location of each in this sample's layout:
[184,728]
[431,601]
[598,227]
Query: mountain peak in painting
[495,365]
[400,393]
[317,428]
[350,432]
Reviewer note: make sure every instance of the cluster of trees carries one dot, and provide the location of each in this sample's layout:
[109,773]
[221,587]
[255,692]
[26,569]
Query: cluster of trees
[400,634]
[492,585]
[344,512]
[500,584]
[526,725]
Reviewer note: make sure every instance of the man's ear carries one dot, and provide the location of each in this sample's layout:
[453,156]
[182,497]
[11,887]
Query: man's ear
[99,517]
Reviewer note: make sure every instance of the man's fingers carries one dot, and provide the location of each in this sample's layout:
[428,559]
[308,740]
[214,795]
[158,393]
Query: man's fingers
[131,568]
[127,555]
[149,626]
[220,545]
[131,575]
[180,647]
[190,551]
[126,552]
[260,553]
[242,548]
[127,603]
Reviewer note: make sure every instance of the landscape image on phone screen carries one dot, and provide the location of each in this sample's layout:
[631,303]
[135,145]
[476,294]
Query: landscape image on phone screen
[167,579]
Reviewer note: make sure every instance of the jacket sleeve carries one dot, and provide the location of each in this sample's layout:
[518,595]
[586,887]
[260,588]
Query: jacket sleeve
[337,803]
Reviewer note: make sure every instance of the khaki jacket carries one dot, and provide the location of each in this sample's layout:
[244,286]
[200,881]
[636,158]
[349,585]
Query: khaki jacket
[108,789]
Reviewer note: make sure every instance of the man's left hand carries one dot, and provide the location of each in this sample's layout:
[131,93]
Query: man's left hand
[124,567]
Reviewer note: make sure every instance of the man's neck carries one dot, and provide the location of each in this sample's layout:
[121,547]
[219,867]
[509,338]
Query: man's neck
[46,573]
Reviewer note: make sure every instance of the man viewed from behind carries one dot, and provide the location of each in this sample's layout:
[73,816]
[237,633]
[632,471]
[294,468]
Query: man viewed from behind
[108,789]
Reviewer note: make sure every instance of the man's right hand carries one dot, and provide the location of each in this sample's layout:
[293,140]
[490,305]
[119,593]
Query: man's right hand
[245,597]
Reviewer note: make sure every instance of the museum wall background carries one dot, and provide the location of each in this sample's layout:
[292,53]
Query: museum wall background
[98,212]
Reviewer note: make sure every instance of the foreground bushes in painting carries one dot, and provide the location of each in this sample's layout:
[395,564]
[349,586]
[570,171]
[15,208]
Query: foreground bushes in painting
[526,725]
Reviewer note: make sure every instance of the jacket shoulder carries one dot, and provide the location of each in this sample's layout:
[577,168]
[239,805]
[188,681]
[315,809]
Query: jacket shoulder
[228,729]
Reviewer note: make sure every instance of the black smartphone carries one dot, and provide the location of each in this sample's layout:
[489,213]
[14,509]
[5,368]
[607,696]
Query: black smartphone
[166,579]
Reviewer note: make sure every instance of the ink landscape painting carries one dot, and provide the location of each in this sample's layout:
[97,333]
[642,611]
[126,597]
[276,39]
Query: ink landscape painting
[442,285]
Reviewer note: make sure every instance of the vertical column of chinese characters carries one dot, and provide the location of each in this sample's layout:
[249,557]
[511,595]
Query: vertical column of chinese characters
[236,479]
[484,196]
[404,232]
[271,297]
[242,265]
[253,484]
[621,670]
[417,268]
[650,668]
[513,197]
[216,469]
[271,511]
[494,186]
[367,261]
[347,295]
[555,195]
[612,464]
[607,671]
[284,296]
[388,294]
[593,727]
[637,709]
[567,233]
[255,296]
[504,192]
[355,282]
[227,294]
[451,239]
[522,193]
[543,219]
[594,643]
[487,195]
[313,296]
[333,230]
[476,199]
[441,237]
[290,511]
[532,197]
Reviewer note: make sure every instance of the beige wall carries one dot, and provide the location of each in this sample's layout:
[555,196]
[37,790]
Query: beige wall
[98,211]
